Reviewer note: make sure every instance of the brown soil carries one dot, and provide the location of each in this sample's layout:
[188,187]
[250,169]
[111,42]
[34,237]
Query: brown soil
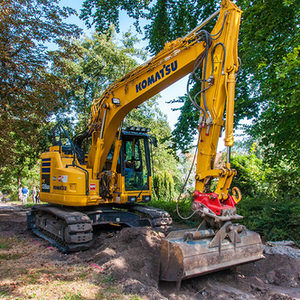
[129,258]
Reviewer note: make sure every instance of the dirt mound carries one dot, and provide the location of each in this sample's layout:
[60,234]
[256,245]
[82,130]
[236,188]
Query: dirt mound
[274,269]
[132,253]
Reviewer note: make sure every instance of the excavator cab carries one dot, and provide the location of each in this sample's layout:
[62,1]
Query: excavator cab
[133,167]
[135,160]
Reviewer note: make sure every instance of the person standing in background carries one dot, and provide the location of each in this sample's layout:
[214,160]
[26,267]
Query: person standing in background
[37,197]
[34,194]
[25,193]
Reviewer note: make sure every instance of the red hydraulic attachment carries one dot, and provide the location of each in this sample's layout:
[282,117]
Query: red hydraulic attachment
[212,202]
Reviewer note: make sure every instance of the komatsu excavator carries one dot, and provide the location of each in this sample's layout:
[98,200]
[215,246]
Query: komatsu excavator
[110,182]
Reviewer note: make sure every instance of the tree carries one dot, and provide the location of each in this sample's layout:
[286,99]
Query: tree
[278,128]
[268,90]
[169,19]
[172,19]
[28,91]
[102,13]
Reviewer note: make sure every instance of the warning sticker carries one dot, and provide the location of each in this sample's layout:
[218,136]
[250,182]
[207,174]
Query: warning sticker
[92,186]
[64,178]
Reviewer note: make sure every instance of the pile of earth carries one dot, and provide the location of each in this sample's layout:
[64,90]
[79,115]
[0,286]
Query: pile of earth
[132,256]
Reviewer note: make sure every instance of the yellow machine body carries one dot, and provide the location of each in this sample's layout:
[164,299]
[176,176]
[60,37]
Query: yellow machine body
[67,185]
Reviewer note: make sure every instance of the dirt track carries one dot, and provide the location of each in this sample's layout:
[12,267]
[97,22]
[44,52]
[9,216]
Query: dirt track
[130,257]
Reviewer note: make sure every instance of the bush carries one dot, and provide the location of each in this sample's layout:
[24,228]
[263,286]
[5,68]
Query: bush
[184,209]
[270,203]
[273,220]
[163,186]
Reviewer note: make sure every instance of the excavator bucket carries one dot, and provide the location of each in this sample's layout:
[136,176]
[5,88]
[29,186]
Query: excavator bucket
[190,253]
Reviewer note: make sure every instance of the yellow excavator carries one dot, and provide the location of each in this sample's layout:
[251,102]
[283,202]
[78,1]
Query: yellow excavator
[110,183]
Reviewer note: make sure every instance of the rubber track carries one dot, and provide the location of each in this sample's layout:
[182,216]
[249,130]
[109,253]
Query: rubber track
[160,219]
[67,217]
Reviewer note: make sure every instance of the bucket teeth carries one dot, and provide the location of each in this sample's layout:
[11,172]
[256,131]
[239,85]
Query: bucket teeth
[190,253]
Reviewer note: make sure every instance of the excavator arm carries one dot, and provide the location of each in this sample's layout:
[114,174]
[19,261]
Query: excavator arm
[218,52]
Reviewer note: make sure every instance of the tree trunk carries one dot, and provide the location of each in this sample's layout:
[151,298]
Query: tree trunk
[20,196]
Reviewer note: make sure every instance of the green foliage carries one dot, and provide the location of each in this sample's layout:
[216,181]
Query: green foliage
[163,186]
[278,128]
[184,207]
[170,20]
[28,91]
[105,13]
[251,178]
[167,20]
[269,50]
[26,172]
[274,219]
[270,203]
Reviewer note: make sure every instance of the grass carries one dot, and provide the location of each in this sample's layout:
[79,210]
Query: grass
[184,209]
[4,245]
[10,256]
[41,273]
[76,296]
[107,279]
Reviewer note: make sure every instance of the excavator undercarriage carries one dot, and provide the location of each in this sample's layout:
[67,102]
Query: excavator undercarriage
[71,229]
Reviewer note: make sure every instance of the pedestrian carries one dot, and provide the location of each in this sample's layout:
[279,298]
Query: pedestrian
[34,194]
[25,193]
[37,197]
[1,196]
